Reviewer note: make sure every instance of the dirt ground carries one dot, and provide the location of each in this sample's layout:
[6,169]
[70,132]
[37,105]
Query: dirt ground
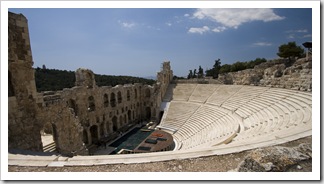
[218,163]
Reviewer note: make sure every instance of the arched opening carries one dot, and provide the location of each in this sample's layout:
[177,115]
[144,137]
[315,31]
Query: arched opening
[115,125]
[121,120]
[154,113]
[85,136]
[49,137]
[11,91]
[119,97]
[125,119]
[148,113]
[129,113]
[108,127]
[106,101]
[147,93]
[128,95]
[113,100]
[90,79]
[102,129]
[73,106]
[135,92]
[94,134]
[91,102]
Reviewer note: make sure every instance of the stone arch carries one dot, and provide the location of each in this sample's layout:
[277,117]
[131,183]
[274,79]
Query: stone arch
[148,114]
[106,101]
[135,93]
[129,113]
[121,120]
[154,113]
[113,100]
[90,80]
[11,91]
[73,106]
[55,136]
[134,114]
[128,95]
[108,127]
[91,102]
[85,137]
[119,97]
[147,93]
[49,133]
[102,129]
[94,134]
[115,124]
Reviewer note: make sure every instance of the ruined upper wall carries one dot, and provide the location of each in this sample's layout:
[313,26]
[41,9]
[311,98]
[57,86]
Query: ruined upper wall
[164,77]
[18,38]
[85,77]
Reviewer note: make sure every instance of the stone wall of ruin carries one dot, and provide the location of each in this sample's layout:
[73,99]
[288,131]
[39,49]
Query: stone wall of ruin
[278,73]
[22,109]
[86,113]
[164,77]
[76,117]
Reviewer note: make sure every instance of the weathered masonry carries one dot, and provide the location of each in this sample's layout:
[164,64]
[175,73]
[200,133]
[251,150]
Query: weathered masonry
[77,117]
[23,125]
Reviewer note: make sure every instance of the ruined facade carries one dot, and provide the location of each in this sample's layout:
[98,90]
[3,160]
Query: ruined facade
[77,117]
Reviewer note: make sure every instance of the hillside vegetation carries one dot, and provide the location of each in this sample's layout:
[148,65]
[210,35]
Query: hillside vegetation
[54,79]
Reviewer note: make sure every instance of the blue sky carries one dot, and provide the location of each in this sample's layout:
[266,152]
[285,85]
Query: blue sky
[136,41]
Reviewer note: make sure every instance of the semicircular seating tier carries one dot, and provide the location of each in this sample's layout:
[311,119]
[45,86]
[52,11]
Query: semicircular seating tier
[243,117]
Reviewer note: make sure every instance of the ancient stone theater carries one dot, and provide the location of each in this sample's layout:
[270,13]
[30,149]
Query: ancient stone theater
[87,125]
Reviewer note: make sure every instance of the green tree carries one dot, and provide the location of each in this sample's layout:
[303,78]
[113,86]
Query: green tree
[190,75]
[237,66]
[215,70]
[225,68]
[195,73]
[200,72]
[53,79]
[252,63]
[290,50]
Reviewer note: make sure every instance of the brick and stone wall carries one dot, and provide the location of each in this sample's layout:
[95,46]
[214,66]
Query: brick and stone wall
[22,110]
[85,114]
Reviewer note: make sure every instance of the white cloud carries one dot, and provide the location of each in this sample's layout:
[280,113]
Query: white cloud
[199,30]
[307,36]
[302,31]
[186,15]
[262,44]
[234,17]
[291,36]
[153,28]
[219,29]
[126,24]
[298,31]
[168,24]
